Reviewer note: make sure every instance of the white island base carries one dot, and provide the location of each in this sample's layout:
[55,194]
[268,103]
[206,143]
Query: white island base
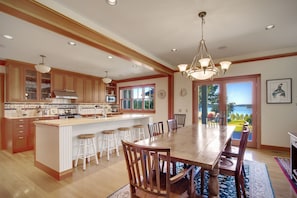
[56,141]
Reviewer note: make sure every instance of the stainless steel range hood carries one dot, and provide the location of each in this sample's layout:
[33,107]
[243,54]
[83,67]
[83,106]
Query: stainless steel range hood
[65,94]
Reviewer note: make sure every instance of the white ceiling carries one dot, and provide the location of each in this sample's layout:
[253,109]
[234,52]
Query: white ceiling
[234,30]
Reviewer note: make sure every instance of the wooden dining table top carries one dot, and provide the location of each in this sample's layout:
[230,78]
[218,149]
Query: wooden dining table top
[198,145]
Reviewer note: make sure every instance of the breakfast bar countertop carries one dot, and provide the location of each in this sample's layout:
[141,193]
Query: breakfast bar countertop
[89,120]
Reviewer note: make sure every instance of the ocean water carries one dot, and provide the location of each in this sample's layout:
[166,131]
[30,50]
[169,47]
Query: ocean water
[240,109]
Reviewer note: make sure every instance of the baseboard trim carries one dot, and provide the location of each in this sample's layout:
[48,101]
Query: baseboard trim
[276,148]
[57,175]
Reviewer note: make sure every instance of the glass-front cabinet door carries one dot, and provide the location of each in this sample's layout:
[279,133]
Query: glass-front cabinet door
[30,84]
[37,85]
[45,86]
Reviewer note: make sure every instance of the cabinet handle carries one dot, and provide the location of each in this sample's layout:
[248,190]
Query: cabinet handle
[21,137]
[21,131]
[21,126]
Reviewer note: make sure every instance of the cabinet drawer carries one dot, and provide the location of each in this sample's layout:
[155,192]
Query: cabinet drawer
[21,131]
[19,121]
[20,127]
[20,142]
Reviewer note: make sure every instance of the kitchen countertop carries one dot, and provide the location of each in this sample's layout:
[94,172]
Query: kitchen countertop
[31,116]
[89,120]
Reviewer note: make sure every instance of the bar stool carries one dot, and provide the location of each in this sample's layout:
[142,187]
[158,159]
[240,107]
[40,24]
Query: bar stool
[109,142]
[86,149]
[125,134]
[139,130]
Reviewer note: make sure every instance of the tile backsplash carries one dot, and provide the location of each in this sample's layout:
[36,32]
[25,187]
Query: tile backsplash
[45,109]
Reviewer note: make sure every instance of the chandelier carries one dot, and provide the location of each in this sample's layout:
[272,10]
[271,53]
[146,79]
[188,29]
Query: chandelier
[106,79]
[41,67]
[202,66]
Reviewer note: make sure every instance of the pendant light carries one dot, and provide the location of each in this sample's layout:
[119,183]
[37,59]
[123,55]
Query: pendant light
[41,67]
[106,79]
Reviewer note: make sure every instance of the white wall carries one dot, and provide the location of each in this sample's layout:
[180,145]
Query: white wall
[161,113]
[276,119]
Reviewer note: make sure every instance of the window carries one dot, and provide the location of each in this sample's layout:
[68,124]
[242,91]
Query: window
[137,98]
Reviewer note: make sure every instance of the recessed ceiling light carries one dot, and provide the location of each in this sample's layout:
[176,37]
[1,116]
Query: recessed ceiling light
[269,27]
[112,2]
[174,50]
[110,57]
[8,36]
[72,43]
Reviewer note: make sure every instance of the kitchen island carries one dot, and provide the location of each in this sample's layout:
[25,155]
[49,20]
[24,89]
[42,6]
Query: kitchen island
[56,141]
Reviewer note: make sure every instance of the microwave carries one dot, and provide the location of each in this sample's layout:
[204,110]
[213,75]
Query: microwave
[111,99]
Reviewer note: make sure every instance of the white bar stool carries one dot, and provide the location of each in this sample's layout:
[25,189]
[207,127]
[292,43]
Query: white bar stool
[109,142]
[125,134]
[139,132]
[86,149]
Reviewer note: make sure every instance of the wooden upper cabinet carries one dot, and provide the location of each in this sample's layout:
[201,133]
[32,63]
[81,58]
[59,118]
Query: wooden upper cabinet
[14,82]
[88,90]
[45,86]
[79,88]
[57,80]
[62,80]
[69,82]
[31,84]
[24,83]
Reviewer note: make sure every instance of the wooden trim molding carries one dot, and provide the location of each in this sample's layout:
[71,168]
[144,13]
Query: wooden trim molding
[38,14]
[275,148]
[53,173]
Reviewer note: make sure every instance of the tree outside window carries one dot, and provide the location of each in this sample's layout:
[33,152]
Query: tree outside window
[137,98]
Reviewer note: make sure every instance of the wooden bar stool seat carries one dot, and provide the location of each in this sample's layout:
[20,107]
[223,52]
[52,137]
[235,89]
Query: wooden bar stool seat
[125,134]
[86,149]
[109,142]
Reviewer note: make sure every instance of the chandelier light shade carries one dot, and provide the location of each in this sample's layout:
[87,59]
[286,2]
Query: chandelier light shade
[41,67]
[202,66]
[106,79]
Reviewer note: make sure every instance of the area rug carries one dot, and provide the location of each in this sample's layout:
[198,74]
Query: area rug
[257,182]
[284,164]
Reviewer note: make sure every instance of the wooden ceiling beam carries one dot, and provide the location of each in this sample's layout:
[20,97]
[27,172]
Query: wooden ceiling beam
[52,20]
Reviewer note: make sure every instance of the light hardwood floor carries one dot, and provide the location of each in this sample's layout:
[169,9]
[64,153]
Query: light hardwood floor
[19,177]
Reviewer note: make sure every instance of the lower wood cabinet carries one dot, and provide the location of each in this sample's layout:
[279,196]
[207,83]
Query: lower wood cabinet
[16,134]
[20,133]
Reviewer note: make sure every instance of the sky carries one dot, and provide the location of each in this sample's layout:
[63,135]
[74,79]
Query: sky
[240,93]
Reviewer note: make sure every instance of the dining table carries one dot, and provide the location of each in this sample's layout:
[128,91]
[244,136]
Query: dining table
[198,145]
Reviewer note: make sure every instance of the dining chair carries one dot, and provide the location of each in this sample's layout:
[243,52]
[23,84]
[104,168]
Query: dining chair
[180,119]
[172,125]
[233,166]
[145,176]
[233,151]
[155,128]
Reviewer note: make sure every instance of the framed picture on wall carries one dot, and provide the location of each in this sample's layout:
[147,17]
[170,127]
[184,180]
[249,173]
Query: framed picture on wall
[279,91]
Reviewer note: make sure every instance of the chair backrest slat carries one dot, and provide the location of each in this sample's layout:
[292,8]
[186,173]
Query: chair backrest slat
[172,125]
[180,119]
[155,128]
[242,147]
[143,165]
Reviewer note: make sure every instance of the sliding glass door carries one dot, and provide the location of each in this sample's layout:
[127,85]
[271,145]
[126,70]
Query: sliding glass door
[229,101]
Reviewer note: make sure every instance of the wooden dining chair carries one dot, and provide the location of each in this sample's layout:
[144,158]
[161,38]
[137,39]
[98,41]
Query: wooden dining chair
[172,125]
[233,166]
[233,151]
[155,128]
[146,177]
[180,119]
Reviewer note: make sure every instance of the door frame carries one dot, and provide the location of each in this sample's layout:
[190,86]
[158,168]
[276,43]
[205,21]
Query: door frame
[256,116]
